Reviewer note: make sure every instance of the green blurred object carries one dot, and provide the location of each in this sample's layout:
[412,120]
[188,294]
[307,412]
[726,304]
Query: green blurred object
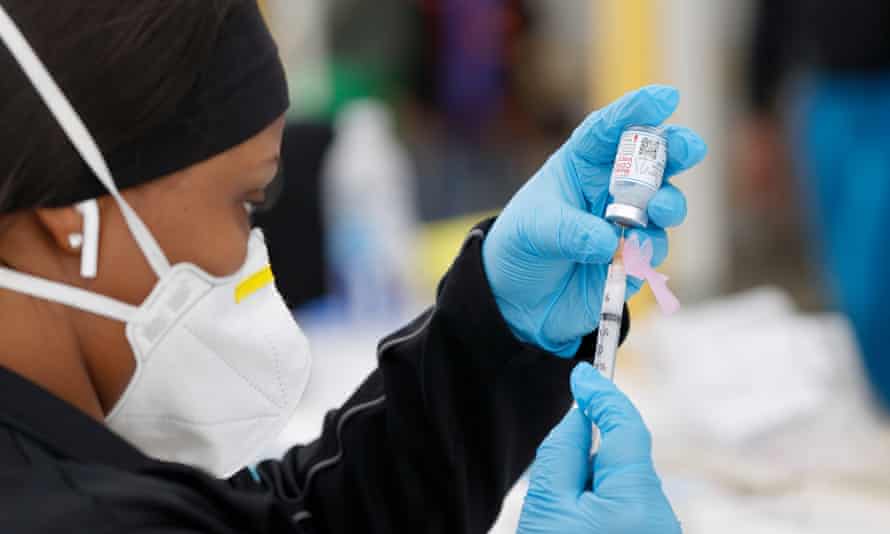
[323,94]
[354,81]
[372,46]
[310,94]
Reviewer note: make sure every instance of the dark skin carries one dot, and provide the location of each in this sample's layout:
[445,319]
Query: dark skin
[197,215]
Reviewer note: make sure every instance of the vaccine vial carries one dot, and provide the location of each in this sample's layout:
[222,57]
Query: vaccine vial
[637,175]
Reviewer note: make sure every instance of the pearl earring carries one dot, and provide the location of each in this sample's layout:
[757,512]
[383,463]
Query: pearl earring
[75,240]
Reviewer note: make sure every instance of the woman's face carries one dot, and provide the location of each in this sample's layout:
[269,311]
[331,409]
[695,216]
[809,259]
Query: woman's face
[197,215]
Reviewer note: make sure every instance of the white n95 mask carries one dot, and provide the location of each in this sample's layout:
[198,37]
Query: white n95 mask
[220,366]
[220,362]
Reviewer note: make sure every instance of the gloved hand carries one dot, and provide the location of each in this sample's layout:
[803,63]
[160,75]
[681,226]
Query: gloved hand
[546,255]
[621,494]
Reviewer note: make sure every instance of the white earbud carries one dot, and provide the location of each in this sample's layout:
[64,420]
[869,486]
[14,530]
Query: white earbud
[89,239]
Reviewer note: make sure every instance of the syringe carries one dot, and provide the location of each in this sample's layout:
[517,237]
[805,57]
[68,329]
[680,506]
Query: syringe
[636,176]
[611,313]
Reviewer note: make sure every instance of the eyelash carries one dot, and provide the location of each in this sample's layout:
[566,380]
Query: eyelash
[272,193]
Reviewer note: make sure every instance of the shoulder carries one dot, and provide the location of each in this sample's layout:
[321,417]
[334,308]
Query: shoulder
[42,493]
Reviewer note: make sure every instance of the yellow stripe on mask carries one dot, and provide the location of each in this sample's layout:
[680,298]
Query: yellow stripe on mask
[254,283]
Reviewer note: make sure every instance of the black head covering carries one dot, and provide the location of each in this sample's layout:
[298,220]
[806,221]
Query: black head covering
[239,92]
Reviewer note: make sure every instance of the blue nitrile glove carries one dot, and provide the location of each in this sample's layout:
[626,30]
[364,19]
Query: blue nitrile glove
[546,255]
[620,493]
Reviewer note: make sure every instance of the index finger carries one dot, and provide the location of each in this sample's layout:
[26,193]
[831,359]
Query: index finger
[686,149]
[596,139]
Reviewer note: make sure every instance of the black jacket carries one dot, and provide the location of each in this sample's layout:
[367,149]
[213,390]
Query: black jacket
[431,442]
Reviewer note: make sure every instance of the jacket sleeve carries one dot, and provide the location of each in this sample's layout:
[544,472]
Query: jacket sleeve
[434,438]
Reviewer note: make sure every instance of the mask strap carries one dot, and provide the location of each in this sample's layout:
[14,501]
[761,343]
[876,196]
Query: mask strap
[67,295]
[80,137]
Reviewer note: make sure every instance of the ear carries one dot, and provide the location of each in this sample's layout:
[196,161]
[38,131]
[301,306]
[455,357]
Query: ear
[76,230]
[61,224]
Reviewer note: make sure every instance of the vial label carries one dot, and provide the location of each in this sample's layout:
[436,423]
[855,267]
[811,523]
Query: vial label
[641,158]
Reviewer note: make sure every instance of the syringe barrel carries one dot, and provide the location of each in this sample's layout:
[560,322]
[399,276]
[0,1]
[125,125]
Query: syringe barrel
[611,313]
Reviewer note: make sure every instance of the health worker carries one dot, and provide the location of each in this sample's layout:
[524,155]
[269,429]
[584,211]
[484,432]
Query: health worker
[147,356]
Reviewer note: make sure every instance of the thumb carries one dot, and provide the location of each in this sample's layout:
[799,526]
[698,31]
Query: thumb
[625,442]
[562,465]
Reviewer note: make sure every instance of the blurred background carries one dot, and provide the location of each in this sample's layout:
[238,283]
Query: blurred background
[767,394]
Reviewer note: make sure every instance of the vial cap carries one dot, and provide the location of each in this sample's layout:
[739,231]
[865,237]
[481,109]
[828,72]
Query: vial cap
[627,215]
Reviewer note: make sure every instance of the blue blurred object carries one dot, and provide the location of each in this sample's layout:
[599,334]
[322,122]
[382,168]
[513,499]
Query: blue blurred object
[547,254]
[369,213]
[620,493]
[844,155]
